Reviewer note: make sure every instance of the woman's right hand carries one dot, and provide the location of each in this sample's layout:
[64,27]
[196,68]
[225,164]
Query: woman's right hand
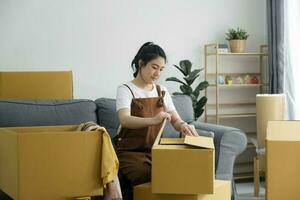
[161,116]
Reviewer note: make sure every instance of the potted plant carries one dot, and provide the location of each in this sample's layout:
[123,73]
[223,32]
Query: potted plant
[189,76]
[237,40]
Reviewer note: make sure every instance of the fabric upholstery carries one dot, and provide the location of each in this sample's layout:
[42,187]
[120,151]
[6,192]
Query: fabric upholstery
[16,113]
[107,116]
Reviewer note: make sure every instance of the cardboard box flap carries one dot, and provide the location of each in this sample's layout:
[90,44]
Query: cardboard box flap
[200,141]
[171,141]
[283,130]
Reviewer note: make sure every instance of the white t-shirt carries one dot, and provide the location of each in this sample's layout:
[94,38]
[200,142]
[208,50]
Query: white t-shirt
[124,96]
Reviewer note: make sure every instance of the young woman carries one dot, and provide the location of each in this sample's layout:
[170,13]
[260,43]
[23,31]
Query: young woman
[142,105]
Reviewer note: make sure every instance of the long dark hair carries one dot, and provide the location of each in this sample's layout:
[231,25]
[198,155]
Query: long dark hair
[146,53]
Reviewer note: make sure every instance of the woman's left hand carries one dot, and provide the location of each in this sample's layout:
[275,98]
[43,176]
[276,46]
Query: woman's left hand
[187,129]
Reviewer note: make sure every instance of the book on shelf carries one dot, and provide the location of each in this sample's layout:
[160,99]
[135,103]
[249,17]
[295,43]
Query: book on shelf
[222,48]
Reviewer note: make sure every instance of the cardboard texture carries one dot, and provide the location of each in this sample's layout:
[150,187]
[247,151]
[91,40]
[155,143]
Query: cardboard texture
[183,166]
[222,192]
[50,163]
[36,85]
[283,160]
[268,107]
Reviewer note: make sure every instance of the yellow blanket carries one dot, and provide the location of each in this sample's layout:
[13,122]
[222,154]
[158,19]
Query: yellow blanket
[110,162]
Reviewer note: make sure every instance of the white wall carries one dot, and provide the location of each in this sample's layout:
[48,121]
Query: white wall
[97,39]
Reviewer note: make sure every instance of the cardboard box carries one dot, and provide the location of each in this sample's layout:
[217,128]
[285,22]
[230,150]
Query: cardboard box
[283,160]
[36,85]
[269,107]
[183,166]
[50,163]
[222,192]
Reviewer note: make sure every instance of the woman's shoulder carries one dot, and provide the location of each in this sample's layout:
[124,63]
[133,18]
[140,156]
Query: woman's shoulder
[123,88]
[124,85]
[162,87]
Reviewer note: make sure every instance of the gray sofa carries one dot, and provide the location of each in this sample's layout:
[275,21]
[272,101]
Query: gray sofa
[229,142]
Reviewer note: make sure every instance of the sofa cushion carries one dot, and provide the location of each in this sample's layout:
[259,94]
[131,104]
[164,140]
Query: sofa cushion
[15,113]
[184,107]
[107,115]
[185,110]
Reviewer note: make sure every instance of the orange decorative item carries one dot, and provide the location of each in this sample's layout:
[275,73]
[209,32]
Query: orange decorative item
[254,80]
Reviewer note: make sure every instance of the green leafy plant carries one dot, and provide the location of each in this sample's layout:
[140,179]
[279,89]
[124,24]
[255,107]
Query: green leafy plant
[189,76]
[238,34]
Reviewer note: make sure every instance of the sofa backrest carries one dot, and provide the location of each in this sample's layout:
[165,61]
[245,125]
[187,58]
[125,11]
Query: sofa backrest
[16,113]
[108,117]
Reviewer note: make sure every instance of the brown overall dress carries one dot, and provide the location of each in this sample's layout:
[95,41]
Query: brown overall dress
[134,145]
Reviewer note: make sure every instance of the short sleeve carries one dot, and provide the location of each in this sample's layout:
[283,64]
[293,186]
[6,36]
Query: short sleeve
[124,98]
[168,100]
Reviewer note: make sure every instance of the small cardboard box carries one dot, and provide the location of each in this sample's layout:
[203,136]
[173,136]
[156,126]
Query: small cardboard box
[183,166]
[50,163]
[36,85]
[222,192]
[283,160]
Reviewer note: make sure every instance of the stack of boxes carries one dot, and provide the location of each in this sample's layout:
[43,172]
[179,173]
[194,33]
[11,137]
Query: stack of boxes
[47,162]
[183,169]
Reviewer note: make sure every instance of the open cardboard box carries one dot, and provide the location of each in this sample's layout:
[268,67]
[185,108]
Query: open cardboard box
[222,191]
[183,165]
[50,163]
[283,160]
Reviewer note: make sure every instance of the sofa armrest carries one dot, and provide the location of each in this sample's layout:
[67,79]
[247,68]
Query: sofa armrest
[229,143]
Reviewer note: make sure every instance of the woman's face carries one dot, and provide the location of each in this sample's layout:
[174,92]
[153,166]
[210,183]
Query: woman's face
[151,71]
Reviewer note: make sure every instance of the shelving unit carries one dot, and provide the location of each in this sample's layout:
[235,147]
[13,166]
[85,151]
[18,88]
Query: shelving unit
[217,106]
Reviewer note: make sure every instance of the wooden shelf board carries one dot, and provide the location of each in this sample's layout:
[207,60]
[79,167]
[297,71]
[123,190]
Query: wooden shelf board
[235,74]
[236,85]
[237,54]
[241,176]
[233,104]
[233,115]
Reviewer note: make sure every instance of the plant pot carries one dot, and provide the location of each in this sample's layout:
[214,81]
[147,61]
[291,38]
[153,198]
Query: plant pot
[237,46]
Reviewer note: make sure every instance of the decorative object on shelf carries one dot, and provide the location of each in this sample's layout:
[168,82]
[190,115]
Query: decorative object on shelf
[254,79]
[222,48]
[221,79]
[185,67]
[237,40]
[239,80]
[228,80]
[247,79]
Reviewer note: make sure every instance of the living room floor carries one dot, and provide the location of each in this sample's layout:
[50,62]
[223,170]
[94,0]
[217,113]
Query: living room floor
[246,192]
